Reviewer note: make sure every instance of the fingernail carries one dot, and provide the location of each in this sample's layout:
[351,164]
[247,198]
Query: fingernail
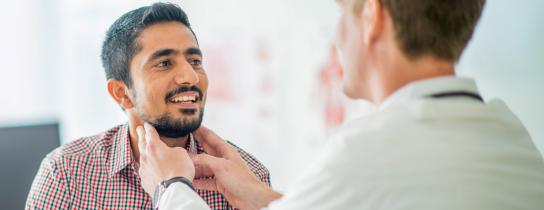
[139,130]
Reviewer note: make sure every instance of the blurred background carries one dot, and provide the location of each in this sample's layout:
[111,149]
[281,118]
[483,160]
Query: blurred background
[275,83]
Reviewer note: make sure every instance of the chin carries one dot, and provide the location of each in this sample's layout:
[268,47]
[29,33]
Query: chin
[349,92]
[185,116]
[347,86]
[353,91]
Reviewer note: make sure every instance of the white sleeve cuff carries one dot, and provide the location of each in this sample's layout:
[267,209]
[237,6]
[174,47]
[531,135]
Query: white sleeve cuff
[179,196]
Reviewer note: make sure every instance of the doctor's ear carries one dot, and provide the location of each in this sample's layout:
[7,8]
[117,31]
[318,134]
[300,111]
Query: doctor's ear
[372,14]
[119,92]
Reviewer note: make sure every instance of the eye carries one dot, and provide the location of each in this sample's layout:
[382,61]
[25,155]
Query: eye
[195,62]
[164,64]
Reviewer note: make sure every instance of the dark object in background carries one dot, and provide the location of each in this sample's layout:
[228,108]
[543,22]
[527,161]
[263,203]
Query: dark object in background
[22,149]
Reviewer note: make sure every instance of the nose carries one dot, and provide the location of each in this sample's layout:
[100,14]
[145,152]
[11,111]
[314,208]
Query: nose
[186,75]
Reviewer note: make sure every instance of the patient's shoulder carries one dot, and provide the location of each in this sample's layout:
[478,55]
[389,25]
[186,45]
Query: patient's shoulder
[254,165]
[78,152]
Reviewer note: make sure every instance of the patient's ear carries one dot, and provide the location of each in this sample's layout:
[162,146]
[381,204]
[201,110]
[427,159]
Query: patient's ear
[119,92]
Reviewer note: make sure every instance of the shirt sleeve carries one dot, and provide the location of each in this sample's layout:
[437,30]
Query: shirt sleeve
[179,196]
[49,189]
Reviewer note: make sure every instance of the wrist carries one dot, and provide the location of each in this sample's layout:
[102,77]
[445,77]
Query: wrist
[186,175]
[162,186]
[263,195]
[178,179]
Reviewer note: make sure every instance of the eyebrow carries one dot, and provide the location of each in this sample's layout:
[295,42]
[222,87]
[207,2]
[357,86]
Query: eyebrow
[162,53]
[167,52]
[193,51]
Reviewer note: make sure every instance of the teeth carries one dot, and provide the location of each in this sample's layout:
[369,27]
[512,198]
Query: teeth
[184,99]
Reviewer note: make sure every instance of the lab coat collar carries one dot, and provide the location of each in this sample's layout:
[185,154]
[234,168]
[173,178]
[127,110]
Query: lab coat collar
[426,87]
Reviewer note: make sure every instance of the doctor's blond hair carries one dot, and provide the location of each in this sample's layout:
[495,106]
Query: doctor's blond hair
[438,28]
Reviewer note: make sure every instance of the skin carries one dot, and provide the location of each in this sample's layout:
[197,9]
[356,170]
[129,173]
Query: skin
[232,177]
[375,67]
[150,145]
[179,64]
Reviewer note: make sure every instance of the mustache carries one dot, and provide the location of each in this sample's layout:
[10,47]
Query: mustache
[181,90]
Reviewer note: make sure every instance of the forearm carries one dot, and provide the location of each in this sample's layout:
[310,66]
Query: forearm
[260,196]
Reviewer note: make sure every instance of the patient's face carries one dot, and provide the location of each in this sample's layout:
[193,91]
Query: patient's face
[169,82]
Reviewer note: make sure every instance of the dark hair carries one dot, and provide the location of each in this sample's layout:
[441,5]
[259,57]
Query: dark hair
[440,28]
[120,44]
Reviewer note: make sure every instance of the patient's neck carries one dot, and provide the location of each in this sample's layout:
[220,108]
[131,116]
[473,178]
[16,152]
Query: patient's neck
[171,142]
[176,142]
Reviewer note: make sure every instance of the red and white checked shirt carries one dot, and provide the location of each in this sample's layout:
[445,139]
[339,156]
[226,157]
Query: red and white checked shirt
[98,172]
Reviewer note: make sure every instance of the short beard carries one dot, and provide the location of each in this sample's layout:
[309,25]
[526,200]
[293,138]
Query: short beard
[170,128]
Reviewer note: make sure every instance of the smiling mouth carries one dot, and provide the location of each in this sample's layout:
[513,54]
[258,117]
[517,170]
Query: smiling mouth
[184,99]
[189,97]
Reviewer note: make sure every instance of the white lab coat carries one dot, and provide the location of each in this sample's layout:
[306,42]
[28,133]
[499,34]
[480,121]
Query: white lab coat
[417,153]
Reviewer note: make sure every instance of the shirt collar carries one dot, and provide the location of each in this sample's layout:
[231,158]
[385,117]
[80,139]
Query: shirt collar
[193,146]
[121,152]
[423,88]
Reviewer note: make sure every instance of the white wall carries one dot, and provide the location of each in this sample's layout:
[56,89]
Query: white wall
[264,60]
[28,72]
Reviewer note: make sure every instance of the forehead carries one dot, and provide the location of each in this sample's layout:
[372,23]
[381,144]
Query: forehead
[340,2]
[348,3]
[172,35]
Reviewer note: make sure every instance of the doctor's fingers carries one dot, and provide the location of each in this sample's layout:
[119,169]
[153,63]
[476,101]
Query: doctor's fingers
[201,170]
[142,143]
[153,141]
[213,144]
[205,184]
[209,166]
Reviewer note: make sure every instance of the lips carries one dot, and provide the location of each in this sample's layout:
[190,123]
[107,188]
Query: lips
[184,98]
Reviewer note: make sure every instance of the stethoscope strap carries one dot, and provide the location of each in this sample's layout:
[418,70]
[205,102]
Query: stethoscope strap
[457,94]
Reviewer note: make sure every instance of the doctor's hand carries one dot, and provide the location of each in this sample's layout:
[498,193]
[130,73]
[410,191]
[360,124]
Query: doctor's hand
[228,174]
[158,162]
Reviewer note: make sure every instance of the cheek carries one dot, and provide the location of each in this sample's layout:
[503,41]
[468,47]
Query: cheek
[350,82]
[203,81]
[203,85]
[341,32]
[344,44]
[151,98]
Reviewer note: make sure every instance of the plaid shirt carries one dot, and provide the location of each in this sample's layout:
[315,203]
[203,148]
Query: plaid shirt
[98,172]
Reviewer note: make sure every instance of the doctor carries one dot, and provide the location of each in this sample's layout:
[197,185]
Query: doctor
[433,144]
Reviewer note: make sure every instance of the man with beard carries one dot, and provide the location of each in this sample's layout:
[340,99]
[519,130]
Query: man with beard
[154,69]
